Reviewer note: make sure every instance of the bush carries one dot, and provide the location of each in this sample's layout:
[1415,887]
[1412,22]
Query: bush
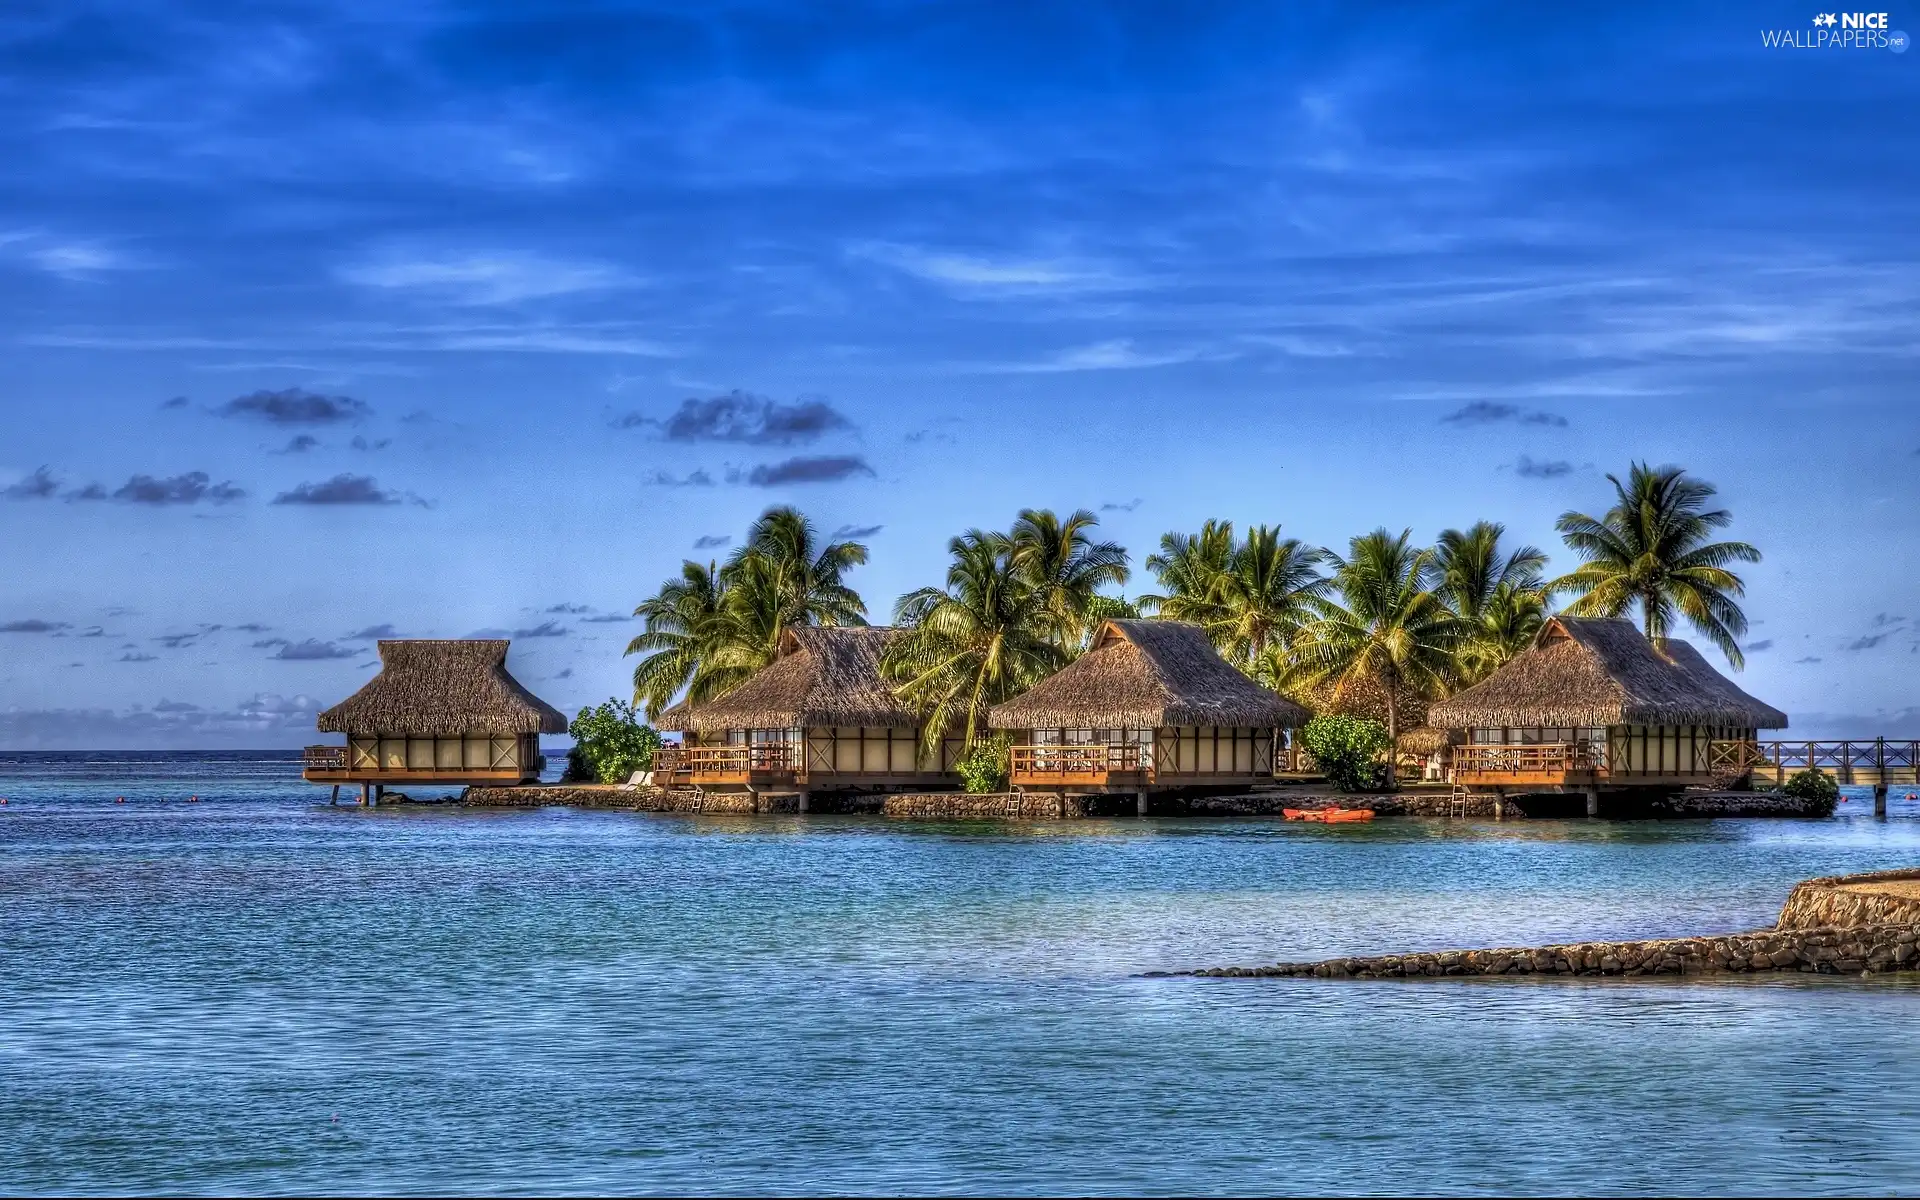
[985,768]
[1348,750]
[1815,786]
[610,743]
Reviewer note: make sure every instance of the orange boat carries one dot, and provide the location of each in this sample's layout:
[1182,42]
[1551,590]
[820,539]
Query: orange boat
[1330,815]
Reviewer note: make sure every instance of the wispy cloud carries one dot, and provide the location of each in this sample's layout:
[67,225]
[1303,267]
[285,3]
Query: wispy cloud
[373,633]
[694,478]
[545,629]
[306,650]
[977,274]
[1116,354]
[484,279]
[41,485]
[190,488]
[1532,468]
[711,541]
[855,531]
[1119,506]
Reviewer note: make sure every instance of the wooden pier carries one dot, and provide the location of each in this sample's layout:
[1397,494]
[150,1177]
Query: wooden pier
[1879,763]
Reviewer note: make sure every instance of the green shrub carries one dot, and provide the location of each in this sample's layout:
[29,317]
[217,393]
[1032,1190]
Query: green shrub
[1348,750]
[610,743]
[985,768]
[1816,786]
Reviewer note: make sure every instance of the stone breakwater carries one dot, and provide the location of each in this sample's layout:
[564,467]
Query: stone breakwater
[1837,925]
[1834,951]
[1874,898]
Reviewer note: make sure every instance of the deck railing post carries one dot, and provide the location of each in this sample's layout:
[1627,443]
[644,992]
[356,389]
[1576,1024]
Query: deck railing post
[1880,778]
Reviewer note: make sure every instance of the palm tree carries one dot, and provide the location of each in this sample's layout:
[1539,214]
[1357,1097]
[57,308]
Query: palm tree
[1067,567]
[802,579]
[1389,626]
[984,638]
[1499,597]
[710,629]
[1651,549]
[684,632]
[1189,567]
[1265,594]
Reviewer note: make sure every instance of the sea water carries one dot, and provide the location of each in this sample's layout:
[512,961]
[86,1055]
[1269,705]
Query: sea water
[256,992]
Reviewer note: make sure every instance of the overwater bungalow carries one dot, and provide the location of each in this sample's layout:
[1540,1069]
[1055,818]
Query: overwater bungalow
[820,717]
[439,712]
[1150,706]
[1592,705]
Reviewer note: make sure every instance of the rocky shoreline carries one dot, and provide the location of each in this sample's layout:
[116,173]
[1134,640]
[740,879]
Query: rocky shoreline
[1839,925]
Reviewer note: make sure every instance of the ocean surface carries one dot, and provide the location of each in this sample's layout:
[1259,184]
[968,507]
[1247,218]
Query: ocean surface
[255,992]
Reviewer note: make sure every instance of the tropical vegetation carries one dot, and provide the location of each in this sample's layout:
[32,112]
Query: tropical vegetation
[1379,630]
[1347,750]
[610,743]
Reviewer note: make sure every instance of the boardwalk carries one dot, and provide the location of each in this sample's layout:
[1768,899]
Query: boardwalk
[1877,762]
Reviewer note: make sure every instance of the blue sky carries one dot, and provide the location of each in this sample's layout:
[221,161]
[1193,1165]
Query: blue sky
[318,320]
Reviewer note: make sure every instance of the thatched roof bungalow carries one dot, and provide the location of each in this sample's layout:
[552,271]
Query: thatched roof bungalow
[820,716]
[1151,703]
[438,712]
[1593,702]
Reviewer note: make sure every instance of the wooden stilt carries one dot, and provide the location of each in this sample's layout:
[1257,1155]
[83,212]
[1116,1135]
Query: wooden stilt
[366,794]
[379,790]
[1499,804]
[804,797]
[1140,803]
[1593,801]
[336,795]
[1880,801]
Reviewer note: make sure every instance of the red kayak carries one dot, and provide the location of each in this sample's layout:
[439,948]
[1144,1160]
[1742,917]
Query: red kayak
[1331,816]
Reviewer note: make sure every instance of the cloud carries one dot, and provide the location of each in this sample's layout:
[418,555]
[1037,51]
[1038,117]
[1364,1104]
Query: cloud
[252,627]
[976,274]
[856,531]
[1490,412]
[295,406]
[92,491]
[1811,658]
[175,402]
[1116,506]
[545,629]
[34,625]
[134,656]
[695,478]
[300,444]
[360,443]
[1757,647]
[745,418]
[481,279]
[827,469]
[41,485]
[568,610]
[564,673]
[174,641]
[1117,354]
[310,650]
[344,489]
[92,631]
[373,633]
[1529,468]
[711,541]
[263,722]
[191,488]
[1869,641]
[606,619]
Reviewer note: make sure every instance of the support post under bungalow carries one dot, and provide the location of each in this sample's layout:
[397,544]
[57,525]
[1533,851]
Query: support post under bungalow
[366,793]
[379,793]
[336,795]
[1880,801]
[1140,803]
[804,798]
[1593,801]
[1880,779]
[1499,804]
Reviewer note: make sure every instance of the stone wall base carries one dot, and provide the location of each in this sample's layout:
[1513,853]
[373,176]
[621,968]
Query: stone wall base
[1837,900]
[1828,951]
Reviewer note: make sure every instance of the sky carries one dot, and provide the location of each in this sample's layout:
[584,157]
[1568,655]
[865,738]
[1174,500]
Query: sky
[325,322]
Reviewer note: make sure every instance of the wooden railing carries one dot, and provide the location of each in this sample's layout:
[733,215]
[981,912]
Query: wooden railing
[1543,758]
[732,760]
[1876,760]
[1094,759]
[324,758]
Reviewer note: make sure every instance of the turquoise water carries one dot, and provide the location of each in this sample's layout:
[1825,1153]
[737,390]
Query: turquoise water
[256,993]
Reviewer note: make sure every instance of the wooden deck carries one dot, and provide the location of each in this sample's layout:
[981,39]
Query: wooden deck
[1117,766]
[770,766]
[329,764]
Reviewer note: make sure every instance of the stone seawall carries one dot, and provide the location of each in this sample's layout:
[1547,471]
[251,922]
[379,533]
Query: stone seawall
[1874,898]
[1839,925]
[1012,806]
[1839,951]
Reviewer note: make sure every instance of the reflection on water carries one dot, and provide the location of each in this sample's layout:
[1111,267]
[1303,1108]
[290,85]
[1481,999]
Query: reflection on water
[255,992]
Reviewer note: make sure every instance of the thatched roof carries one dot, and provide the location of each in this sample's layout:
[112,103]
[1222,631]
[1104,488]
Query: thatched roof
[822,676]
[429,688]
[1146,675]
[1423,739]
[1584,671]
